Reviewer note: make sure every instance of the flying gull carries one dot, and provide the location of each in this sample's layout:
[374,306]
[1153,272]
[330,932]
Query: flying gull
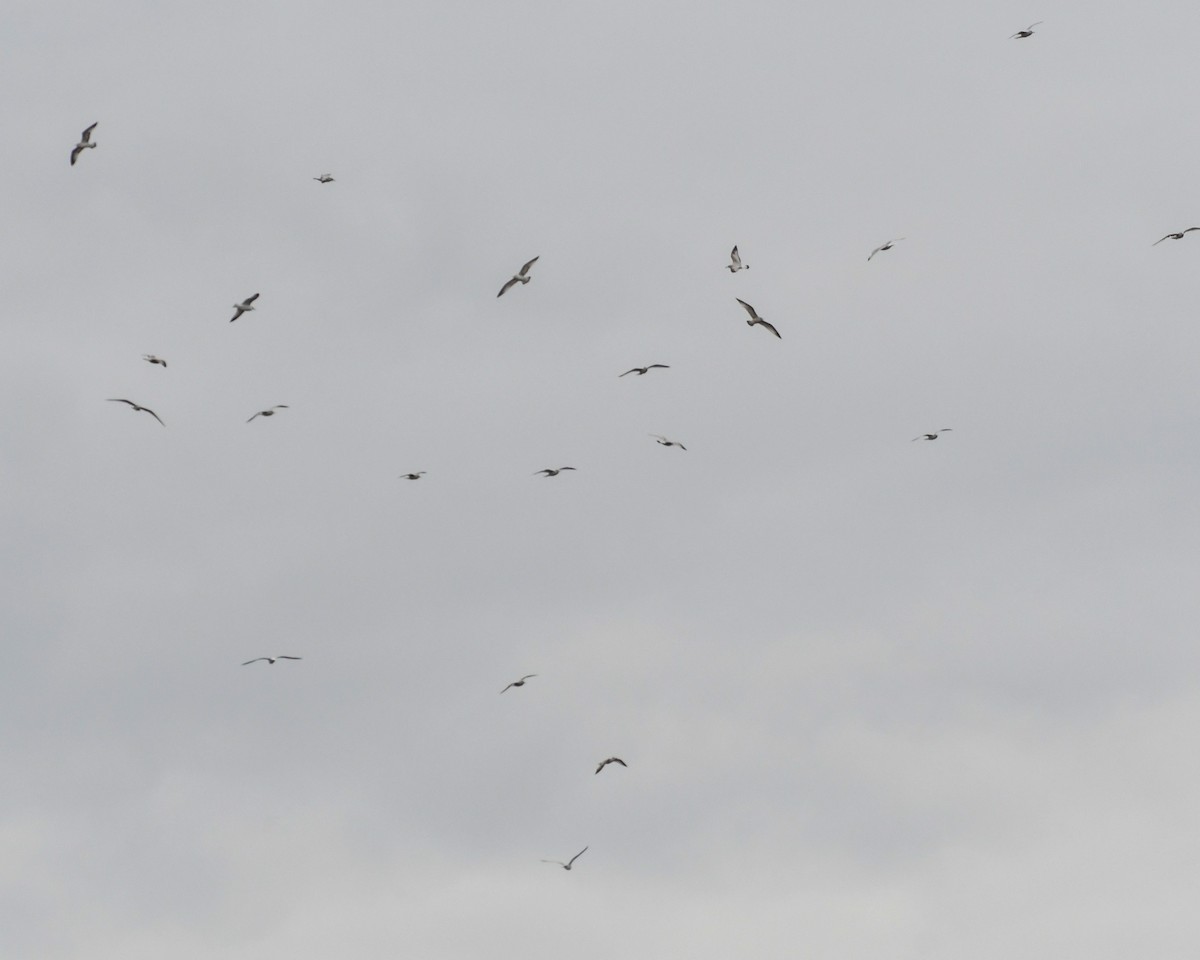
[665,442]
[270,412]
[755,319]
[85,143]
[522,277]
[735,262]
[151,358]
[244,307]
[552,473]
[934,435]
[324,178]
[271,660]
[412,476]
[1027,32]
[136,408]
[641,371]
[567,865]
[519,683]
[605,763]
[1174,236]
[885,246]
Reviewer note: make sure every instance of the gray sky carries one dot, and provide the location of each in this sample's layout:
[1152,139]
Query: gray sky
[878,699]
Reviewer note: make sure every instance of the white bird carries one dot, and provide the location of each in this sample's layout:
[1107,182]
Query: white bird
[85,143]
[641,371]
[755,319]
[137,408]
[324,178]
[1174,236]
[244,307]
[885,246]
[271,660]
[521,277]
[519,683]
[605,763]
[934,435]
[1027,32]
[412,476]
[151,358]
[665,442]
[567,865]
[550,472]
[735,263]
[270,412]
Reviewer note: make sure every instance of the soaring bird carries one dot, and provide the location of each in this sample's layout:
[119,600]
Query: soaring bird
[244,307]
[412,476]
[1174,236]
[755,319]
[137,408]
[521,277]
[85,143]
[934,435]
[519,683]
[270,412]
[271,660]
[550,472]
[151,358]
[1027,32]
[567,865]
[605,763]
[885,246]
[324,178]
[735,262]
[665,442]
[641,371]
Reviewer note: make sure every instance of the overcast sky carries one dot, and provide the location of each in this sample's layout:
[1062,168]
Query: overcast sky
[879,699]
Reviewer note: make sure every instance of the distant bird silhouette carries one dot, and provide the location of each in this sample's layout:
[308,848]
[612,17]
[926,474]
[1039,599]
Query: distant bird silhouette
[137,408]
[519,683]
[270,412]
[552,473]
[755,319]
[244,307]
[324,178]
[605,763]
[665,442]
[1027,32]
[885,246]
[641,371]
[735,262]
[271,660]
[934,435]
[85,143]
[412,476]
[1174,236]
[567,865]
[151,358]
[521,277]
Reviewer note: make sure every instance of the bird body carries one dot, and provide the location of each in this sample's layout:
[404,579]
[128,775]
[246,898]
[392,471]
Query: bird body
[605,763]
[270,412]
[244,307]
[271,660]
[550,472]
[137,408]
[667,443]
[641,371]
[884,246]
[735,262]
[522,276]
[412,476]
[567,865]
[755,319]
[324,178]
[151,358]
[1027,32]
[85,143]
[1174,236]
[934,435]
[519,683]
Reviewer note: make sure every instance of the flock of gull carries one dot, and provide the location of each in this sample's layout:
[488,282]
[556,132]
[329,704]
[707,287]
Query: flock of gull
[521,278]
